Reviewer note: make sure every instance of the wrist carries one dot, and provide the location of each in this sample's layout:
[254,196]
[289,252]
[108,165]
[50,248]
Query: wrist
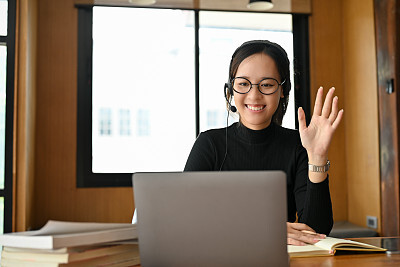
[319,168]
[317,160]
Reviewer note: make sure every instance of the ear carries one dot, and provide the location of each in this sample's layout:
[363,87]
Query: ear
[282,95]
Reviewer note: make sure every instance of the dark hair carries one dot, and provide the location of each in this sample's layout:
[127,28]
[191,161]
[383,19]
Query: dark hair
[278,54]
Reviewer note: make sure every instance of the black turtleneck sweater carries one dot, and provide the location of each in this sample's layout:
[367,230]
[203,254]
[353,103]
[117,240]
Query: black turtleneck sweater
[273,148]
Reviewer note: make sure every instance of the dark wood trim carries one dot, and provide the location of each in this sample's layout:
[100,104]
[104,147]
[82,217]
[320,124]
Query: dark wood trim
[387,17]
[197,69]
[9,126]
[196,6]
[301,63]
[84,174]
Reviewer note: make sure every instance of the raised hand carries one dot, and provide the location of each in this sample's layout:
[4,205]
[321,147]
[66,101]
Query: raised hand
[317,137]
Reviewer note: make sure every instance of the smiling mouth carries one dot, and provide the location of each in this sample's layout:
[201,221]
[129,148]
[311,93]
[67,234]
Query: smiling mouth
[256,108]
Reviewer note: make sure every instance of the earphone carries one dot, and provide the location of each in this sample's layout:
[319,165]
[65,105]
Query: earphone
[228,87]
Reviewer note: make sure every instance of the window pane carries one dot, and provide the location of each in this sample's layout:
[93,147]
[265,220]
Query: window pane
[220,34]
[1,214]
[3,17]
[143,89]
[3,61]
[124,122]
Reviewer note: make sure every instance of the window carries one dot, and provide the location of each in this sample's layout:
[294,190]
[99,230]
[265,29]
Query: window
[124,122]
[105,121]
[3,79]
[143,123]
[215,118]
[7,42]
[3,17]
[151,74]
[151,79]
[220,34]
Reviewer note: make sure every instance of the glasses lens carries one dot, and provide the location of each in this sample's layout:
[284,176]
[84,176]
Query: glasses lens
[268,86]
[241,85]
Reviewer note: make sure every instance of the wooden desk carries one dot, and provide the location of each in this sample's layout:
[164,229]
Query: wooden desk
[380,259]
[370,260]
[352,260]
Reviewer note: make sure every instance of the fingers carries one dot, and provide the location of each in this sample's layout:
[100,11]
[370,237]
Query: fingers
[332,102]
[336,123]
[329,109]
[299,227]
[326,110]
[334,112]
[302,239]
[292,241]
[300,234]
[318,102]
[301,118]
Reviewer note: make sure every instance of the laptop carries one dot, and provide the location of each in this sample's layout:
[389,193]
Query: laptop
[235,218]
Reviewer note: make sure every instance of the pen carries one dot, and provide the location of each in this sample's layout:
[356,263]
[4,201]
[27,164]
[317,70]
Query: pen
[312,233]
[308,232]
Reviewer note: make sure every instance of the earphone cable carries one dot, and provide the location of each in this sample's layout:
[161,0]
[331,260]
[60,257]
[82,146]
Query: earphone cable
[226,141]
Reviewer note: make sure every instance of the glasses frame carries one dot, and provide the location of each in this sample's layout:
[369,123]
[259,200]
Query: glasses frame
[258,85]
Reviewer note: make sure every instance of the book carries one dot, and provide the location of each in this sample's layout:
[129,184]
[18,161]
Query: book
[58,234]
[121,259]
[67,255]
[329,246]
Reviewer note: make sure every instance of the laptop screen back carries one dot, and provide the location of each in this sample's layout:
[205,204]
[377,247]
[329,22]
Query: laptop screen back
[211,218]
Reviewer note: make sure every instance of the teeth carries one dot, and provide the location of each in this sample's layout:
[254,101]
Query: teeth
[255,108]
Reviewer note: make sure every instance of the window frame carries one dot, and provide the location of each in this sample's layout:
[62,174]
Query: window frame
[7,192]
[85,176]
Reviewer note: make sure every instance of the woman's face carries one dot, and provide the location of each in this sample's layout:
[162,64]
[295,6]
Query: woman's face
[256,109]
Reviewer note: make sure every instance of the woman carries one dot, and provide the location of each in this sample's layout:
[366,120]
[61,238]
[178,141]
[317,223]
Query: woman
[259,83]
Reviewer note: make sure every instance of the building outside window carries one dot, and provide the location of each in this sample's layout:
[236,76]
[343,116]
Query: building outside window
[105,121]
[124,122]
[143,123]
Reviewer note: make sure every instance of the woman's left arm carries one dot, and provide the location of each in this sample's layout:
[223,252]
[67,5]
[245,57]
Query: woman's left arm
[317,137]
[316,211]
[313,201]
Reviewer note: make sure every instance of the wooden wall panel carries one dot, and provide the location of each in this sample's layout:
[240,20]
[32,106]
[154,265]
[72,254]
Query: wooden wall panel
[24,117]
[361,109]
[326,68]
[342,48]
[56,195]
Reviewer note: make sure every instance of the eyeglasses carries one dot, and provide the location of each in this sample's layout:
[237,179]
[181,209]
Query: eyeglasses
[266,86]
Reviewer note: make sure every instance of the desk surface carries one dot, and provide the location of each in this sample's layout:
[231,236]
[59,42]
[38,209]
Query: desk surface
[370,260]
[352,259]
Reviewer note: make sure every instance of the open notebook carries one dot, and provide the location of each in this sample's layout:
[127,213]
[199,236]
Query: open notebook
[329,246]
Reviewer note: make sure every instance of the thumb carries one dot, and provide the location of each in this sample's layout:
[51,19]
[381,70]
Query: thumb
[302,119]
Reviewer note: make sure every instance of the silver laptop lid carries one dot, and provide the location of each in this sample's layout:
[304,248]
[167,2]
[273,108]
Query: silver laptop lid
[212,218]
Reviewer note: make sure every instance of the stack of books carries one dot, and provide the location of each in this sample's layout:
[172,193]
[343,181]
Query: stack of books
[72,244]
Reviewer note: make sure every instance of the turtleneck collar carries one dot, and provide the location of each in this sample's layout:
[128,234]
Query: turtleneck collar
[254,136]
